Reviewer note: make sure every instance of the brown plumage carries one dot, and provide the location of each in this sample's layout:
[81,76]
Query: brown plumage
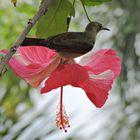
[70,44]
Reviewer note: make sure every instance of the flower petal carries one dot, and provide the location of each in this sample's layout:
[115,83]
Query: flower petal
[34,63]
[98,86]
[36,54]
[67,74]
[101,61]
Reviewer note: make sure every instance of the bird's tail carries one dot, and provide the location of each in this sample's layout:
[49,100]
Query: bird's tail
[35,42]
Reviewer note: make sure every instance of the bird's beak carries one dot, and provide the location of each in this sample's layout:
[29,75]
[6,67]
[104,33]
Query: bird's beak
[103,28]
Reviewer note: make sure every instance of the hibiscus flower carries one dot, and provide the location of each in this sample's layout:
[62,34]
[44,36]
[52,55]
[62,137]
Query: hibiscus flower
[94,74]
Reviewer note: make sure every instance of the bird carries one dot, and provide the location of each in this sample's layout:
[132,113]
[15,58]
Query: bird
[69,45]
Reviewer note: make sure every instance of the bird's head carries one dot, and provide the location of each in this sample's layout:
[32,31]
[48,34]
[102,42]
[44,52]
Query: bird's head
[96,27]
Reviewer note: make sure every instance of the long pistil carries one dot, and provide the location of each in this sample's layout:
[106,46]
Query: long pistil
[62,119]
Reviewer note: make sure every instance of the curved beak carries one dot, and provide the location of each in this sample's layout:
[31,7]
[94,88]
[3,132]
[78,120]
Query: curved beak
[103,28]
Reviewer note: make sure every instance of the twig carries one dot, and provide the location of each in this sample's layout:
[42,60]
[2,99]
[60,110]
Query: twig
[42,10]
[85,11]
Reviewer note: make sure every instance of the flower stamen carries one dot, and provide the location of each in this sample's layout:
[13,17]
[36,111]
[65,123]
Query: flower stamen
[62,119]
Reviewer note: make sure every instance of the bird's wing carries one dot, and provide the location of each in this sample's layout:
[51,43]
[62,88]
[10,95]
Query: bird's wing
[71,42]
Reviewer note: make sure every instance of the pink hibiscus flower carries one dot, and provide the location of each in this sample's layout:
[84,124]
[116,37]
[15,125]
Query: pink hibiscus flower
[94,74]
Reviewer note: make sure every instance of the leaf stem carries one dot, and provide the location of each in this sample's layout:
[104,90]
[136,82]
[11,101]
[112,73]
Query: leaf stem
[85,11]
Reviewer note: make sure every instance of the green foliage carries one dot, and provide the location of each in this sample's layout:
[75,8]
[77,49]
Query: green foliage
[55,20]
[95,2]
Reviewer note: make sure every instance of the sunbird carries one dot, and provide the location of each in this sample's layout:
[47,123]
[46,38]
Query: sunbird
[69,45]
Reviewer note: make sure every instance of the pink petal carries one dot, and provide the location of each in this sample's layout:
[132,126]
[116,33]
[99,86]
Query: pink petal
[36,54]
[34,64]
[68,74]
[98,86]
[101,61]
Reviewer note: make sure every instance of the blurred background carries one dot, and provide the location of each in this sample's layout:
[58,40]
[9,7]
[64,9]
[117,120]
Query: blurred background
[25,114]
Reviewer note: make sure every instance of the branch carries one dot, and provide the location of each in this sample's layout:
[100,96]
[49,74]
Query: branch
[42,10]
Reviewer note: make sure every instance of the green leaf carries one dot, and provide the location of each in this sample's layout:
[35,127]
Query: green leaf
[94,2]
[55,20]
